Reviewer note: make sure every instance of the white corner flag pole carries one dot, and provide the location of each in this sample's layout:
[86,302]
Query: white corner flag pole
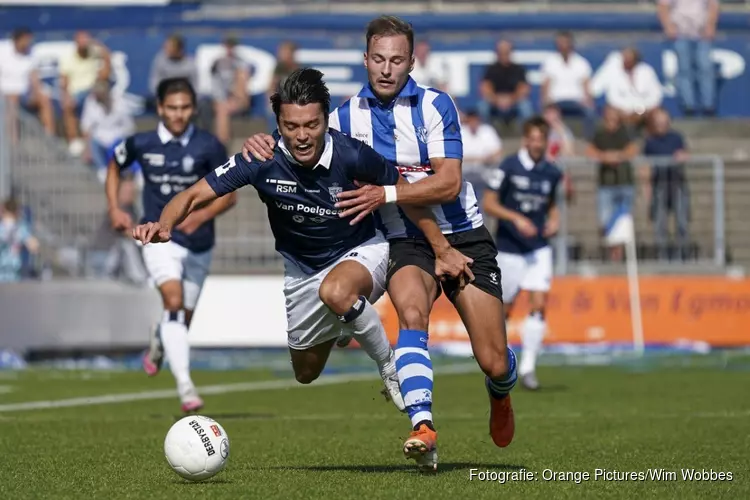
[631,262]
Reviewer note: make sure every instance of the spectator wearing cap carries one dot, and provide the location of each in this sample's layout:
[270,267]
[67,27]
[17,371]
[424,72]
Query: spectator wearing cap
[565,81]
[632,87]
[19,79]
[483,150]
[504,89]
[230,76]
[669,191]
[691,25]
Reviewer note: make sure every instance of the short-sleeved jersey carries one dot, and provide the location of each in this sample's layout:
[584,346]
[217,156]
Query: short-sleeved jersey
[301,201]
[527,188]
[419,124]
[171,165]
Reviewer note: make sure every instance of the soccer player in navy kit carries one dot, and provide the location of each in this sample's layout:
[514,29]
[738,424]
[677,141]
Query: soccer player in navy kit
[334,270]
[522,196]
[174,156]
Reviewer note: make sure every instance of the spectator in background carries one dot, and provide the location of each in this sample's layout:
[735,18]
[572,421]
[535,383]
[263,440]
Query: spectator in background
[613,147]
[691,24]
[565,81]
[560,144]
[88,63]
[15,235]
[105,121]
[668,187]
[504,89]
[172,62]
[114,254]
[428,70]
[483,151]
[632,88]
[286,63]
[19,80]
[230,76]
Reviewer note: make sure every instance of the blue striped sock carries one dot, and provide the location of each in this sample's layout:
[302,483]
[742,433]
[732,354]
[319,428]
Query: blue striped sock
[500,388]
[414,368]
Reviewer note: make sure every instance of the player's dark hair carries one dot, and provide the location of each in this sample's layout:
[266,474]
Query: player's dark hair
[390,26]
[19,33]
[170,86]
[536,122]
[303,86]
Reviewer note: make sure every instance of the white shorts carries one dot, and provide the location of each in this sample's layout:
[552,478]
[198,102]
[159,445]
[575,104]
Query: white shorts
[531,272]
[172,262]
[309,321]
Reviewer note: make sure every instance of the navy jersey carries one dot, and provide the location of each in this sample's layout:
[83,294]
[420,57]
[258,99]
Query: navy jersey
[301,201]
[171,165]
[529,189]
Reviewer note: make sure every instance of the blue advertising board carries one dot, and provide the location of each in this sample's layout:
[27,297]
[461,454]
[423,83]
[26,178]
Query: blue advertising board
[462,45]
[463,58]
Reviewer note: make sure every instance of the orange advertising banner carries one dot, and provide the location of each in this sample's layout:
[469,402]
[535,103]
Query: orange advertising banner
[715,310]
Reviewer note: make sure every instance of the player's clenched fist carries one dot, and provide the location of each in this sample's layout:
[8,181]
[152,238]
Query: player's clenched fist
[152,232]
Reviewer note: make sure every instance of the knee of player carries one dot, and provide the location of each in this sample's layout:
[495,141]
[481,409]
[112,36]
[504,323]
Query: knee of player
[306,376]
[414,317]
[495,366]
[172,303]
[337,296]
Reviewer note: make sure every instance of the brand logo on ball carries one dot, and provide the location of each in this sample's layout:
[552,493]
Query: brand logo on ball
[224,449]
[203,437]
[217,431]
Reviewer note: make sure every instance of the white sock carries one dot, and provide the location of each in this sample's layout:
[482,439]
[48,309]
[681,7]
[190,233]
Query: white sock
[368,330]
[532,335]
[174,338]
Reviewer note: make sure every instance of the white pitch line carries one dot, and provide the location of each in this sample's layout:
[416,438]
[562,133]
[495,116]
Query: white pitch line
[211,389]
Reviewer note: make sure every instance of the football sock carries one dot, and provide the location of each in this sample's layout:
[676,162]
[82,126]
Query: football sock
[415,375]
[499,388]
[363,323]
[532,335]
[174,338]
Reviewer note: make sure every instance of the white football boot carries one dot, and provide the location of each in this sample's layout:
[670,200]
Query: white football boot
[392,390]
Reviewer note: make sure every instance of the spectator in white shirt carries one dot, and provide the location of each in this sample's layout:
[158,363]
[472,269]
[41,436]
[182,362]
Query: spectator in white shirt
[19,79]
[691,25]
[632,87]
[566,77]
[105,121]
[428,70]
[79,71]
[483,151]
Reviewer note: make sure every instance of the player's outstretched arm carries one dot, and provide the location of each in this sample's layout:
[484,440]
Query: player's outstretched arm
[491,206]
[175,212]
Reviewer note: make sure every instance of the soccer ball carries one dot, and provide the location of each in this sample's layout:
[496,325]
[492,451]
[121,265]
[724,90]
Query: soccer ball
[197,447]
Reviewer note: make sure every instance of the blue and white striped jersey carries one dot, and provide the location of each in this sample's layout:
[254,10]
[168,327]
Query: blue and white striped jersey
[419,124]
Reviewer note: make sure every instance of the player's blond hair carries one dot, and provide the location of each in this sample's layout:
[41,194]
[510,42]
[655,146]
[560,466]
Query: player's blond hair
[390,26]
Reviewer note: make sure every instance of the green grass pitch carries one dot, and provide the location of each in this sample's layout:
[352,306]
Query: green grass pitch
[344,441]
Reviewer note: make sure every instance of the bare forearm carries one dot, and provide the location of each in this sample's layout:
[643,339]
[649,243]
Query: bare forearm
[494,209]
[431,190]
[214,208]
[177,209]
[112,185]
[425,221]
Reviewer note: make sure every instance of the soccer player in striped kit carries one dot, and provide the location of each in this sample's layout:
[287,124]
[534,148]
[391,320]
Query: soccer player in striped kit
[418,128]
